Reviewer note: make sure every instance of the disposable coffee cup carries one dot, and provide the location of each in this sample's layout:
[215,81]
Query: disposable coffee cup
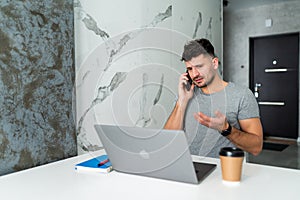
[231,163]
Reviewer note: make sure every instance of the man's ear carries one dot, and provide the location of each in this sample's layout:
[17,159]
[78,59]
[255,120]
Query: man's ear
[215,62]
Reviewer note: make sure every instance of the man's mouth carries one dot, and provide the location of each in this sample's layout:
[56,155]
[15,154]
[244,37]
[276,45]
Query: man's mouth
[198,80]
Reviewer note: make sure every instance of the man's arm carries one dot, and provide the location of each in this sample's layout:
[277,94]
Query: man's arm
[175,120]
[249,138]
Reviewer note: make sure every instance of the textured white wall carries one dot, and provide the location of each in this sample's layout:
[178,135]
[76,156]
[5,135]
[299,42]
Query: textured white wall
[128,59]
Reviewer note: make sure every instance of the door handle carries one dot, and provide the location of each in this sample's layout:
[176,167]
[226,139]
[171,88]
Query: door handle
[271,103]
[268,70]
[256,89]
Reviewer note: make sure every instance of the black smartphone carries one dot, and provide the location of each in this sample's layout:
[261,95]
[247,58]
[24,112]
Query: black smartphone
[188,75]
[190,82]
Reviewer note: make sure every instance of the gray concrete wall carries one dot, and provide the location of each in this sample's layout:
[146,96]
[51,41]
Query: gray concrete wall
[243,24]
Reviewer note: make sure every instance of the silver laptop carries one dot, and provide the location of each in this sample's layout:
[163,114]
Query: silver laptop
[156,153]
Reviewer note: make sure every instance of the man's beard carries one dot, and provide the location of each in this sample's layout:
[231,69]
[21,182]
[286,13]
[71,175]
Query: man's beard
[207,83]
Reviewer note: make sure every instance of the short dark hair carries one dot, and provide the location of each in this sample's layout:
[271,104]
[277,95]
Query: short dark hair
[197,47]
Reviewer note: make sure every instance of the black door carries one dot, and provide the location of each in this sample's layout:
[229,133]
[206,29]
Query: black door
[274,62]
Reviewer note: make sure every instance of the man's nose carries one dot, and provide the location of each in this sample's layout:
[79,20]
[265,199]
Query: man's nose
[195,72]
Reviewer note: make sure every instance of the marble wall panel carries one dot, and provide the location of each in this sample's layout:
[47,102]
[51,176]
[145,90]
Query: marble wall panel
[128,60]
[37,74]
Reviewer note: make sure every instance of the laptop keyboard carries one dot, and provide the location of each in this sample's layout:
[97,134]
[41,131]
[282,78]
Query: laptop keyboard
[203,169]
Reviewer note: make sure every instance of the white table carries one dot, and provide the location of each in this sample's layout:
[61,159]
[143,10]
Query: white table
[59,180]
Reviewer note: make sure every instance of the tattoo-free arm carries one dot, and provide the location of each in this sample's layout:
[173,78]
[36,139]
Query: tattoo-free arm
[175,121]
[250,137]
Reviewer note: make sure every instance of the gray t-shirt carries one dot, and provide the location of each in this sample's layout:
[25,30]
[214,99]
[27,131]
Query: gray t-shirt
[236,102]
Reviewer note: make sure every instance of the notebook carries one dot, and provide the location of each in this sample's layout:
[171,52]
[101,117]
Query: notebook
[98,164]
[156,153]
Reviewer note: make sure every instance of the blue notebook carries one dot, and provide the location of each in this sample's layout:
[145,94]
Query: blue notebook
[92,165]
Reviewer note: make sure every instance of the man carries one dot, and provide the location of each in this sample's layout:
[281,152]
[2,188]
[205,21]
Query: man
[213,113]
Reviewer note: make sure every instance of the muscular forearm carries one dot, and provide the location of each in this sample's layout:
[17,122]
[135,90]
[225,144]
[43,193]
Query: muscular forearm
[249,138]
[249,142]
[175,120]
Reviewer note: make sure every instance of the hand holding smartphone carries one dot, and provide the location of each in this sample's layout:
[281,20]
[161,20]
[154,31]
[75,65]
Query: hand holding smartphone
[190,81]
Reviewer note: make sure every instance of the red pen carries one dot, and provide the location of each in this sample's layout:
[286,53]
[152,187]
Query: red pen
[103,162]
